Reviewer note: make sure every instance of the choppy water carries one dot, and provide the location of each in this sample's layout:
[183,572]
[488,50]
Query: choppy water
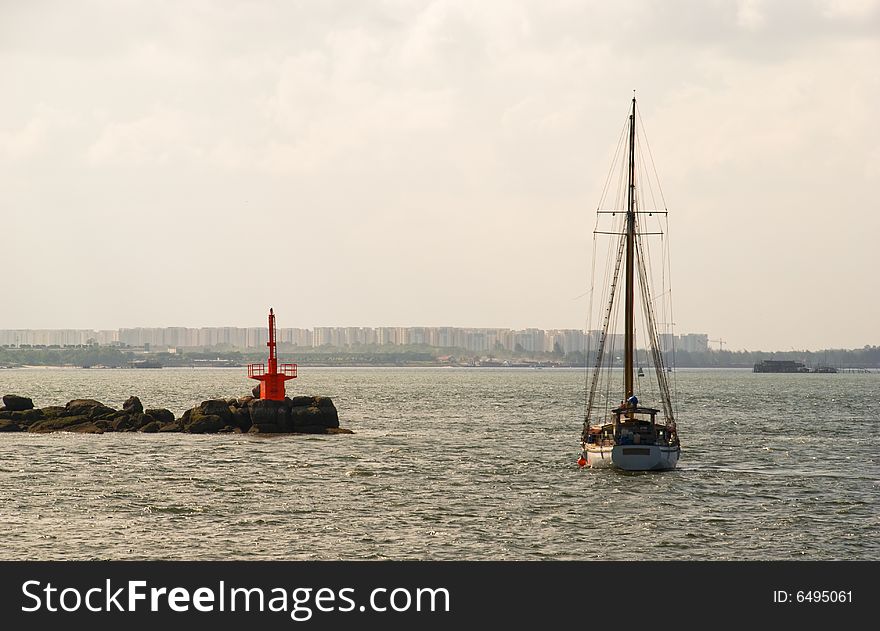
[448,464]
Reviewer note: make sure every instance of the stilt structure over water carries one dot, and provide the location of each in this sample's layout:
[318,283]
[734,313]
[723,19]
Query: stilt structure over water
[272,380]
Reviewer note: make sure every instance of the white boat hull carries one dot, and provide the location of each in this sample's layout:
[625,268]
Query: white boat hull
[633,457]
[598,457]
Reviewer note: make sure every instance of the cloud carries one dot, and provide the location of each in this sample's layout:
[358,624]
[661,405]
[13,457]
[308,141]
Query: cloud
[750,14]
[161,137]
[24,141]
[35,136]
[474,129]
[850,9]
[346,101]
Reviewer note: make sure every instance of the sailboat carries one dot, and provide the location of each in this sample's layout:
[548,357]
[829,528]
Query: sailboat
[630,434]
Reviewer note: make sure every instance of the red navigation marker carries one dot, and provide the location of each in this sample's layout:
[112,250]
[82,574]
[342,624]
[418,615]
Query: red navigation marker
[272,380]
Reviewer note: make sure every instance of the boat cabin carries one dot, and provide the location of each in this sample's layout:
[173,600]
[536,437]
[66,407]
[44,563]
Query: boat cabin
[635,425]
[630,426]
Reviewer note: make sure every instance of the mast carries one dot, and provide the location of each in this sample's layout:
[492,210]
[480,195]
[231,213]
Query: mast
[629,337]
[273,359]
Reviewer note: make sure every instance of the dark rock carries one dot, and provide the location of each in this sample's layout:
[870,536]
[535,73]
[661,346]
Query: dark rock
[266,412]
[131,422]
[160,414]
[207,417]
[23,417]
[28,416]
[133,405]
[102,412]
[313,411]
[77,407]
[151,428]
[54,411]
[324,402]
[339,430]
[215,407]
[9,426]
[15,403]
[88,403]
[63,424]
[171,427]
[205,424]
[242,401]
[299,415]
[256,391]
[313,415]
[241,418]
[121,422]
[331,416]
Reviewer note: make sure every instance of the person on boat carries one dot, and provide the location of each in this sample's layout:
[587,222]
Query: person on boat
[633,401]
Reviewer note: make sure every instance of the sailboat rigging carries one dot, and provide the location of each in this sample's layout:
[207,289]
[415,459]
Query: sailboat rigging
[629,435]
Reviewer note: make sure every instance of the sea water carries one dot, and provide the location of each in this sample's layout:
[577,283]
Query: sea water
[447,463]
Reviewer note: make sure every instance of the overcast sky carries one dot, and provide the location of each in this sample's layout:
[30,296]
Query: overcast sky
[434,163]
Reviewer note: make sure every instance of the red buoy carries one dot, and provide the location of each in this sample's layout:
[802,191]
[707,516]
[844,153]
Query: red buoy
[582,462]
[272,380]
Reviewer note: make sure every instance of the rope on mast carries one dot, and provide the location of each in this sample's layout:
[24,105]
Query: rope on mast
[662,382]
[604,335]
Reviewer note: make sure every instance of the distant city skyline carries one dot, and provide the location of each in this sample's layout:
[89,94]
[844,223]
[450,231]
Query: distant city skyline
[470,338]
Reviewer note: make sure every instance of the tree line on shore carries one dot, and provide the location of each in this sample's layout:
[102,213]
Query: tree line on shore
[417,355]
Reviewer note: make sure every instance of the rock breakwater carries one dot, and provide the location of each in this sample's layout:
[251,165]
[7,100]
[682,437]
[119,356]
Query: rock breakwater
[297,415]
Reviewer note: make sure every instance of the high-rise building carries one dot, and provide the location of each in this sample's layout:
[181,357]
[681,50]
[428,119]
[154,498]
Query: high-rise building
[694,342]
[474,340]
